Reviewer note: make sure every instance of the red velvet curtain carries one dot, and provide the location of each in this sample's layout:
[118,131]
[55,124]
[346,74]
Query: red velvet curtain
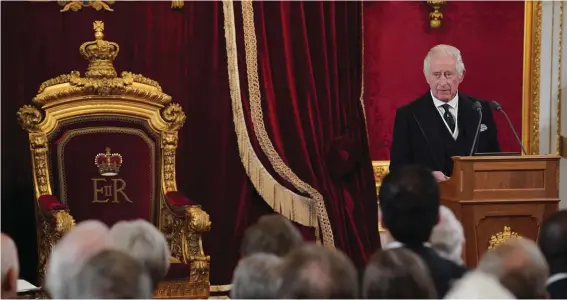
[397,37]
[309,69]
[184,50]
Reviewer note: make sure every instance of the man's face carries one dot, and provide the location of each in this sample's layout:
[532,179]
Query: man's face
[443,77]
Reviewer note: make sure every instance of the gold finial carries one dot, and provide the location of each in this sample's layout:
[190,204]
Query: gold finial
[435,16]
[107,150]
[100,54]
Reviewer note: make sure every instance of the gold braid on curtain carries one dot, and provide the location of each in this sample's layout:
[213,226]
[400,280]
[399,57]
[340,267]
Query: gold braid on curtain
[362,71]
[284,201]
[278,164]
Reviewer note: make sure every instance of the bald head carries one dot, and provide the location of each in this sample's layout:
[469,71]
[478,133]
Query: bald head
[71,253]
[10,268]
[520,267]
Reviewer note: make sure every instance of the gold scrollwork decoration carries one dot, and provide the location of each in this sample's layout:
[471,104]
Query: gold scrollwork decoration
[177,4]
[52,228]
[502,237]
[435,16]
[29,118]
[76,5]
[175,117]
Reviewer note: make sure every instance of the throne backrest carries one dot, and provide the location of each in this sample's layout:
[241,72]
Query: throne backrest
[104,145]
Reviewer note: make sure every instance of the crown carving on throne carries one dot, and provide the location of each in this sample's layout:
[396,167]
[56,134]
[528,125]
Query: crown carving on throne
[108,163]
[100,54]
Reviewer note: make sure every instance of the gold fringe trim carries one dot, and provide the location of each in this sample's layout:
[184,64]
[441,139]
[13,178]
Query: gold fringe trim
[362,70]
[278,164]
[293,206]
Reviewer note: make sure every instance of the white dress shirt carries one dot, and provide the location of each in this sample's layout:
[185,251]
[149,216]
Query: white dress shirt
[556,277]
[453,109]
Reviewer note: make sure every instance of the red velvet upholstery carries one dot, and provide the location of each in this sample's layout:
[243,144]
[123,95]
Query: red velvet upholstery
[48,203]
[178,199]
[177,271]
[131,194]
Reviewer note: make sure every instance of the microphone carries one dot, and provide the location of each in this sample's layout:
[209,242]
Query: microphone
[496,106]
[478,108]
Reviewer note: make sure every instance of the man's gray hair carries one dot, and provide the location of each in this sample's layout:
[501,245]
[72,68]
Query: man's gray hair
[143,241]
[111,274]
[520,267]
[444,50]
[256,277]
[478,285]
[71,253]
[447,237]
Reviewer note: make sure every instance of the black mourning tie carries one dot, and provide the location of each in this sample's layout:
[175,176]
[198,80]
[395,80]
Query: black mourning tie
[448,117]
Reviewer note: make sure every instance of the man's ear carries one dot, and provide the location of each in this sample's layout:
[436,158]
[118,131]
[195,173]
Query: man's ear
[462,76]
[10,281]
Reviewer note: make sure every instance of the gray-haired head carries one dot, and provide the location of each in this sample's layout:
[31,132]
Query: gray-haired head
[111,274]
[69,255]
[256,277]
[444,70]
[271,234]
[478,285]
[447,237]
[520,267]
[143,241]
[10,268]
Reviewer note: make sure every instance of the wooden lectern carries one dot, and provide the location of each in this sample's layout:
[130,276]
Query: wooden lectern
[500,197]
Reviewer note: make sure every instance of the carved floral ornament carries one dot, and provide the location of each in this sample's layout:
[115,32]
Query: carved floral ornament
[76,5]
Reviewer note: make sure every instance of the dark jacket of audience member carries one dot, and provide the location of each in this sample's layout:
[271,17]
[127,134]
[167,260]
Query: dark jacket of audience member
[553,244]
[409,202]
[397,274]
[271,234]
[315,272]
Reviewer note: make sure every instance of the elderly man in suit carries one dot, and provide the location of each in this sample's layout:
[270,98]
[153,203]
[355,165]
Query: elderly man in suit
[441,123]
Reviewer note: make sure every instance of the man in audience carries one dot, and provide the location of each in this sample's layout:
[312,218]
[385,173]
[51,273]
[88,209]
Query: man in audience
[143,241]
[315,272]
[397,274]
[448,237]
[111,274]
[256,277]
[71,253]
[10,268]
[478,285]
[409,201]
[553,244]
[272,234]
[520,267]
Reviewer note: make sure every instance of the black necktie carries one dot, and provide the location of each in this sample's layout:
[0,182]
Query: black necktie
[448,117]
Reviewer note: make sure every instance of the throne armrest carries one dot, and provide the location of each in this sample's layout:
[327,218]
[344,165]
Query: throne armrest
[56,213]
[196,218]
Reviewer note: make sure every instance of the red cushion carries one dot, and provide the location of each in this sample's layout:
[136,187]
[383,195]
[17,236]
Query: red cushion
[48,203]
[178,271]
[178,199]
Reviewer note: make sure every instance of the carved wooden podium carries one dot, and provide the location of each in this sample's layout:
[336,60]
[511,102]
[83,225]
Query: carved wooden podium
[500,197]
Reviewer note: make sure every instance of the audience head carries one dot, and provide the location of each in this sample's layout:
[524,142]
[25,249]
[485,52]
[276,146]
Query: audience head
[256,277]
[447,237]
[71,253]
[444,70]
[409,202]
[144,242]
[478,285]
[10,268]
[520,267]
[315,272]
[271,234]
[397,274]
[111,274]
[553,241]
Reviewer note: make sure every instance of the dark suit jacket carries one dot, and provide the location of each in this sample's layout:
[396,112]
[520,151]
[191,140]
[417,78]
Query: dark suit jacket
[558,289]
[443,272]
[421,137]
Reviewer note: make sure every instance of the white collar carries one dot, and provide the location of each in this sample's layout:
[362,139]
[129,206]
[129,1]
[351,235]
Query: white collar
[396,244]
[556,277]
[453,102]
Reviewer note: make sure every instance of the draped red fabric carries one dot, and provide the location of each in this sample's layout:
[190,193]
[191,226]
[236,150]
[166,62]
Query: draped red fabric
[184,50]
[397,37]
[309,69]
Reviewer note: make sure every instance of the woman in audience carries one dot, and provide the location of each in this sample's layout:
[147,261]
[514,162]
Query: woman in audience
[397,274]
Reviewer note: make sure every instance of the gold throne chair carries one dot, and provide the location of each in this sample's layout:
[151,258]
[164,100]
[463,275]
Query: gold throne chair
[104,147]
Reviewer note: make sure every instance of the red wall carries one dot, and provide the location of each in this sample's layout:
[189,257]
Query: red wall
[397,37]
